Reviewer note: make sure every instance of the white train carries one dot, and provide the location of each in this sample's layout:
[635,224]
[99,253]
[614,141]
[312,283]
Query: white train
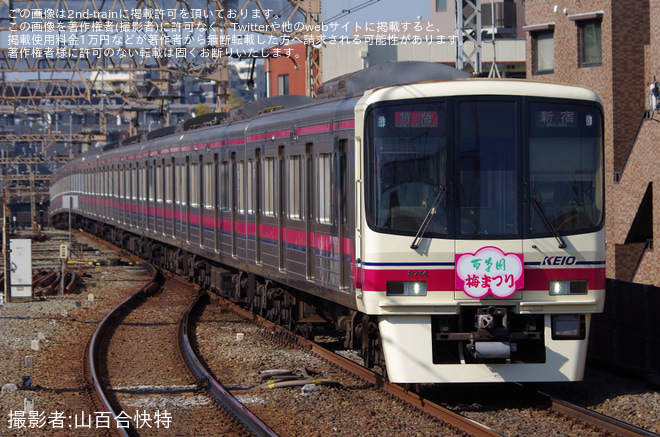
[453,227]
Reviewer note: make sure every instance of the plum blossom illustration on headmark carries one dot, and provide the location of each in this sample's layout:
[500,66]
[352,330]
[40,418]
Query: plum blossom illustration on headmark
[489,271]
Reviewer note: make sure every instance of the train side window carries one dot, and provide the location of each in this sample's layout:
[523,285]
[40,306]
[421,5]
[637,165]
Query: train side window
[224,185]
[117,182]
[159,183]
[184,184]
[169,194]
[295,188]
[208,185]
[133,188]
[325,200]
[150,183]
[104,178]
[194,188]
[240,193]
[177,187]
[269,187]
[121,174]
[143,184]
[250,186]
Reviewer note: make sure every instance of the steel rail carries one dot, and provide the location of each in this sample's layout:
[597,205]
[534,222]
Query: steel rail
[462,423]
[229,402]
[597,419]
[94,347]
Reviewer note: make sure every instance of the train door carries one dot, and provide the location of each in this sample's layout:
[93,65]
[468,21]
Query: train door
[268,246]
[216,203]
[280,207]
[182,224]
[116,205]
[257,206]
[100,193]
[237,199]
[240,206]
[104,192]
[150,200]
[181,199]
[309,211]
[121,169]
[169,198]
[195,200]
[208,200]
[295,235]
[142,189]
[131,195]
[345,226]
[159,213]
[224,213]
[176,199]
[251,191]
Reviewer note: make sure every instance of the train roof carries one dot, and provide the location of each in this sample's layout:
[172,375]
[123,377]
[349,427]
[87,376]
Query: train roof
[393,73]
[482,87]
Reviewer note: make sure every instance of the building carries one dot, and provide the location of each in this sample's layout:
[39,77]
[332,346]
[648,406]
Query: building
[377,43]
[286,71]
[610,47]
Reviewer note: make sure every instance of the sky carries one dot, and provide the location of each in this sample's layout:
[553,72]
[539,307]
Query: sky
[372,11]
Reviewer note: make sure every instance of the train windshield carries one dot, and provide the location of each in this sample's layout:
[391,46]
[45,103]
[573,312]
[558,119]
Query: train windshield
[462,168]
[408,161]
[566,167]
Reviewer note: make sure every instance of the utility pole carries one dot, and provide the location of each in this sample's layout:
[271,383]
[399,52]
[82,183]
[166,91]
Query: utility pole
[468,30]
[5,244]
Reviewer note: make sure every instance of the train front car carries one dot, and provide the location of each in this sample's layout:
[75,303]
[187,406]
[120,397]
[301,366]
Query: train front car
[480,245]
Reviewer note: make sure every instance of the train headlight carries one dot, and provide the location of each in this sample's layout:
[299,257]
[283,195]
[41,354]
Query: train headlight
[560,288]
[568,327]
[406,288]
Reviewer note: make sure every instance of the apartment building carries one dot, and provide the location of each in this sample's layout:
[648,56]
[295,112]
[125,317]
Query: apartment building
[611,47]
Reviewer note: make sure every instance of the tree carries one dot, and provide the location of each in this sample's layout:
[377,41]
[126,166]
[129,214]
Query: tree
[202,109]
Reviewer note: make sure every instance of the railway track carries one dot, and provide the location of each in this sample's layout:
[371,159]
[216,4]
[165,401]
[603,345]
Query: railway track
[368,413]
[601,421]
[140,377]
[547,412]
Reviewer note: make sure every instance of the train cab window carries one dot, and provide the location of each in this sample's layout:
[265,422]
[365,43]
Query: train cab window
[325,201]
[565,160]
[487,176]
[406,159]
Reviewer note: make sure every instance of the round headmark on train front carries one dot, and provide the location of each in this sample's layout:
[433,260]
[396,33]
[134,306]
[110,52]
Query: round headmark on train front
[489,270]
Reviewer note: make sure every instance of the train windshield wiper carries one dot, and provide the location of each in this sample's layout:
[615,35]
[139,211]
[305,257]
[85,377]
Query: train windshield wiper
[429,216]
[546,221]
